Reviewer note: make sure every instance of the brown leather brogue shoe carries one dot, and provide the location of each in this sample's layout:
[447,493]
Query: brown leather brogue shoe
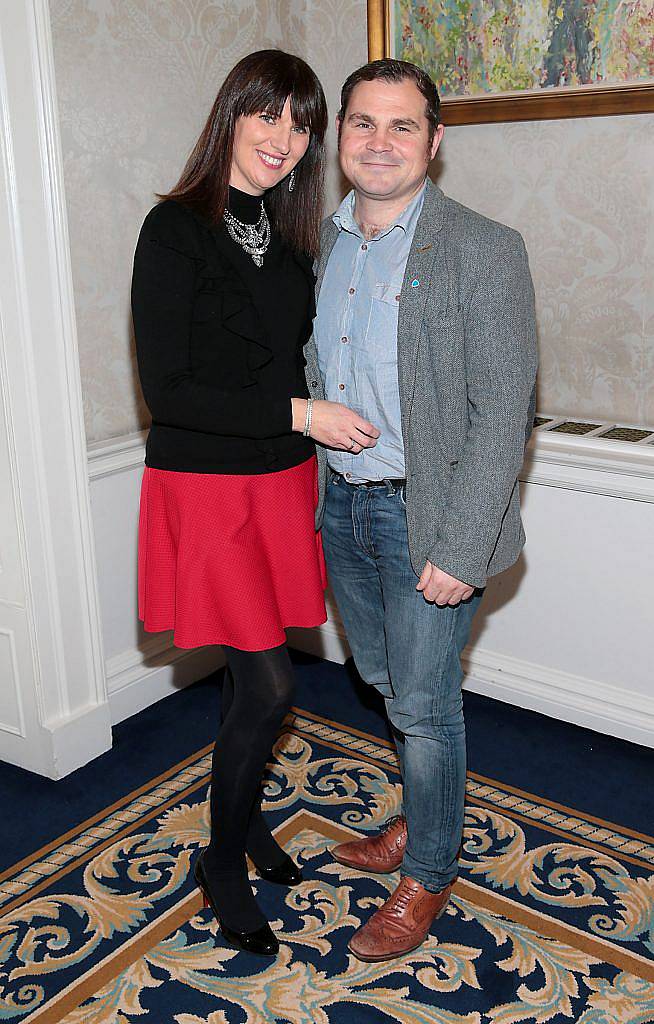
[401,924]
[379,854]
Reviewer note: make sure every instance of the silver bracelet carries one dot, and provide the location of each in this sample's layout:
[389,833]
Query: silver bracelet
[307,422]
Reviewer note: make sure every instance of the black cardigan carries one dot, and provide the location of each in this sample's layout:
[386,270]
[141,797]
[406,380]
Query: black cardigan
[218,366]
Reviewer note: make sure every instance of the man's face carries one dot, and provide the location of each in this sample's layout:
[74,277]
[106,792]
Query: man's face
[384,145]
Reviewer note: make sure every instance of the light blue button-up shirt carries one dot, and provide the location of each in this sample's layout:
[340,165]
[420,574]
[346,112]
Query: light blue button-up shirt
[356,334]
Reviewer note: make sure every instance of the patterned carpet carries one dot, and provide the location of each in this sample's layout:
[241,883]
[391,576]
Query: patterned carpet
[552,918]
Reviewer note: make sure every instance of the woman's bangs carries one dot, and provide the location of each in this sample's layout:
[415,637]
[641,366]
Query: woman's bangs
[307,110]
[270,94]
[262,95]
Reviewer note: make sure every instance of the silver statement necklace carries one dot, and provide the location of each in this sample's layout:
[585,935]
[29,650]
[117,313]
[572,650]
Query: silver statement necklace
[254,239]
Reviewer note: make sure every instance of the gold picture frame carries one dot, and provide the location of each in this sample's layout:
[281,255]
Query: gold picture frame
[533,105]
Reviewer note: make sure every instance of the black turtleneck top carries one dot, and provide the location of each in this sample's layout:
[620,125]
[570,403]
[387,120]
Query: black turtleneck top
[219,343]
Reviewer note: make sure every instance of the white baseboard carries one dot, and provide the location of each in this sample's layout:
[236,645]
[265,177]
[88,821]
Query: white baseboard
[594,705]
[78,740]
[63,745]
[143,675]
[326,641]
[607,709]
[140,677]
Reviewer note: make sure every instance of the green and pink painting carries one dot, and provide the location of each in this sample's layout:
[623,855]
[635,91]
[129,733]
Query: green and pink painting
[472,47]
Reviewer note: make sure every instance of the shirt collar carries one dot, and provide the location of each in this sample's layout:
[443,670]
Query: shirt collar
[344,220]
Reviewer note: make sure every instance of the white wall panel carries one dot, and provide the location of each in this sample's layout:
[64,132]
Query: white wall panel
[11,717]
[141,668]
[567,631]
[53,702]
[578,599]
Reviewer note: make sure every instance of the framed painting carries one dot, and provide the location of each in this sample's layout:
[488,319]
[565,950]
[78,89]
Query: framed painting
[523,60]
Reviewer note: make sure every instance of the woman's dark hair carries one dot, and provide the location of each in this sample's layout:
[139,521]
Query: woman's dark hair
[390,70]
[262,81]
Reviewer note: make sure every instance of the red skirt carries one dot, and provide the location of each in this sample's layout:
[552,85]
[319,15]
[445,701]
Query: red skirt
[229,559]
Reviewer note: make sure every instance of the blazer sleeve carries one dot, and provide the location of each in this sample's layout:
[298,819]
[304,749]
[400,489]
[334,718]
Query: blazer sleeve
[501,362]
[166,264]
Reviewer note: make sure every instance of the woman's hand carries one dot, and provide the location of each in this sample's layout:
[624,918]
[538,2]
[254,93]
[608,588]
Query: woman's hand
[335,426]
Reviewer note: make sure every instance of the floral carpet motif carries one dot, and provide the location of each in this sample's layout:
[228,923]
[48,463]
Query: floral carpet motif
[552,917]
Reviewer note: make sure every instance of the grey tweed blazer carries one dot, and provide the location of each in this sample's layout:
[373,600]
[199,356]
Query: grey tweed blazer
[467,359]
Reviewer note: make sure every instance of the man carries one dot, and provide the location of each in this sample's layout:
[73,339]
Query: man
[425,327]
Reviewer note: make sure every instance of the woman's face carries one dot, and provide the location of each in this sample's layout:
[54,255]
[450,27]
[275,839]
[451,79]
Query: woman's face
[266,149]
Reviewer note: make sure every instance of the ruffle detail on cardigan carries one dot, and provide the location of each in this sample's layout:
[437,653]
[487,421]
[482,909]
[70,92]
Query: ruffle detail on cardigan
[174,226]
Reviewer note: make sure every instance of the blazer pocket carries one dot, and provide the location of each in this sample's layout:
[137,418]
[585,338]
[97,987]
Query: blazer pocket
[445,321]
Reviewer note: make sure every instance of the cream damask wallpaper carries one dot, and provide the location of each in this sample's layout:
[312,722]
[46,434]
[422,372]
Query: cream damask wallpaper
[135,80]
[581,192]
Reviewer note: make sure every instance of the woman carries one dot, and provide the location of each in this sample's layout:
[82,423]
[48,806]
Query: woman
[222,300]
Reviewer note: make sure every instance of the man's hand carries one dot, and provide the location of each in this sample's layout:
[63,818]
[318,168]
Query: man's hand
[440,588]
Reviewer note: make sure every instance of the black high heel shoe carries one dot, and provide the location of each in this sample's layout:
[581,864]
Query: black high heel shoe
[286,873]
[262,941]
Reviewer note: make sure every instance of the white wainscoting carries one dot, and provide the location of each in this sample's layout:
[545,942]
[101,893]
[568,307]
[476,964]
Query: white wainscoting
[566,632]
[54,713]
[141,668]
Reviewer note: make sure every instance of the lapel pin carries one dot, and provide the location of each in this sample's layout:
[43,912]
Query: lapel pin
[415,282]
[424,248]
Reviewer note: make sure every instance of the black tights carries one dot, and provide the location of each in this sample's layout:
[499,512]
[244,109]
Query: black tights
[257,694]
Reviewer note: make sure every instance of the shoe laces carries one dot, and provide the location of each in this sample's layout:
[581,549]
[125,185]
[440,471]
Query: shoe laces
[399,901]
[391,823]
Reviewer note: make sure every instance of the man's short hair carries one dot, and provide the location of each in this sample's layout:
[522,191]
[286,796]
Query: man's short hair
[390,70]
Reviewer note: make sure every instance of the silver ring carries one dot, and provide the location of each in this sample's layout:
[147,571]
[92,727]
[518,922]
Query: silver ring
[352,445]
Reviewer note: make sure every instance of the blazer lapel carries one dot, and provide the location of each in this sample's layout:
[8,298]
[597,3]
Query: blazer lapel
[425,250]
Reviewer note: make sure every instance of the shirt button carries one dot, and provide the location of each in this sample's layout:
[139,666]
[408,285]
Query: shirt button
[344,340]
[341,387]
[351,291]
[397,298]
[348,475]
[364,247]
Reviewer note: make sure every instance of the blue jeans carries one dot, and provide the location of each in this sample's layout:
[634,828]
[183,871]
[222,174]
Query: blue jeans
[410,650]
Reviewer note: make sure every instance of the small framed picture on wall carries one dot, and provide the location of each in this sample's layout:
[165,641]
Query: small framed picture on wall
[518,60]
